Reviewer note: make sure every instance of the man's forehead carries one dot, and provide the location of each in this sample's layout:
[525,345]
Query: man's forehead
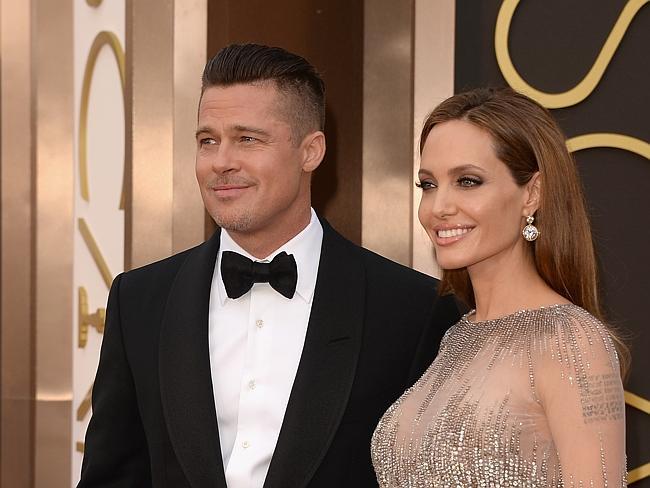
[267,89]
[245,105]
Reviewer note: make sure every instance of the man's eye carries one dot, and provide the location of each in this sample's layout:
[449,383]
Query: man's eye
[425,185]
[206,141]
[247,139]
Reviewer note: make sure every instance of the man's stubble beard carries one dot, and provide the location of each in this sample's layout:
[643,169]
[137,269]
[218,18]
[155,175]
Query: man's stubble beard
[235,223]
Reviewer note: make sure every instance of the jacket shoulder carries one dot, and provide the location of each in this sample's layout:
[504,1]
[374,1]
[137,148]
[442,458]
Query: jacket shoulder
[386,278]
[160,275]
[386,268]
[159,270]
[382,271]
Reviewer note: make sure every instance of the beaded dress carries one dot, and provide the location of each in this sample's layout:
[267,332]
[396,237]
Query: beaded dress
[533,399]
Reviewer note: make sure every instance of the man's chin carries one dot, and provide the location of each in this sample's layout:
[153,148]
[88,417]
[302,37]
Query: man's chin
[233,222]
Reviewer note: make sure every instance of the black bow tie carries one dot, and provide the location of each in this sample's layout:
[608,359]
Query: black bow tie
[239,273]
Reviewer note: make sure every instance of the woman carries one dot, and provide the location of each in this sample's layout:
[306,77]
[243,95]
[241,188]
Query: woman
[526,389]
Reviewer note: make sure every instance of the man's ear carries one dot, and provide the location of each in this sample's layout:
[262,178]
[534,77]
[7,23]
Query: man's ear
[533,194]
[314,150]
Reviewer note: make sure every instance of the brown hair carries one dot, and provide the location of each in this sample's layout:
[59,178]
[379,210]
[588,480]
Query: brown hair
[527,139]
[293,76]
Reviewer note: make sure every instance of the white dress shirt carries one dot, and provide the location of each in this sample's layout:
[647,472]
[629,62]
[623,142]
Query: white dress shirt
[255,346]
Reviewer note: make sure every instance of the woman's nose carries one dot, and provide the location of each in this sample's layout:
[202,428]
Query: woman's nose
[443,203]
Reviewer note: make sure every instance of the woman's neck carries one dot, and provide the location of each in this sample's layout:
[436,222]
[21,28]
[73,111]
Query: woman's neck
[504,286]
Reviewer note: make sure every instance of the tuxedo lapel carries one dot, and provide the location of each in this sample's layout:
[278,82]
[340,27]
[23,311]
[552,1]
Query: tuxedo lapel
[184,366]
[327,366]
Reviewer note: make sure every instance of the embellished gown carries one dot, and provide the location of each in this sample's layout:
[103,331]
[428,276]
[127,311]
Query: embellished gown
[533,399]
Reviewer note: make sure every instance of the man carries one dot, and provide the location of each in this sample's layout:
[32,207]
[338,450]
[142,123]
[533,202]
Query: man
[265,356]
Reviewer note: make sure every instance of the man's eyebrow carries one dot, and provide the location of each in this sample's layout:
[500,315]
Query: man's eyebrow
[254,130]
[202,130]
[234,128]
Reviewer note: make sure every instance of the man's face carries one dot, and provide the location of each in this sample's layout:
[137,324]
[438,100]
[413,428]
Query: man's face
[252,175]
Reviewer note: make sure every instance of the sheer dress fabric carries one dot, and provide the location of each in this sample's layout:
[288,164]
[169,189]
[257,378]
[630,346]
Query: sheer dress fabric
[533,399]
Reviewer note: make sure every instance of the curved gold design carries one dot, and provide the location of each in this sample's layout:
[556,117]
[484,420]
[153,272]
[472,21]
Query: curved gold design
[637,402]
[604,139]
[642,148]
[574,96]
[637,474]
[85,405]
[87,319]
[642,404]
[583,89]
[104,38]
[95,252]
[94,3]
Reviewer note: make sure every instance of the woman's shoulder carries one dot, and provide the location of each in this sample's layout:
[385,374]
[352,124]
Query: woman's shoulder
[564,322]
[575,345]
[574,327]
[562,333]
[575,365]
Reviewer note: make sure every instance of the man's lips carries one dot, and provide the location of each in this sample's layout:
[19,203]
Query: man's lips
[229,187]
[226,191]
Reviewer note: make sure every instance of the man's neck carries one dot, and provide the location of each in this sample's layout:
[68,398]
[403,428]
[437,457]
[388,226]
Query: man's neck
[265,242]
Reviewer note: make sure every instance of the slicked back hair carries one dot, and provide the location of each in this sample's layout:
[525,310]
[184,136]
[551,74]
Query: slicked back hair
[296,79]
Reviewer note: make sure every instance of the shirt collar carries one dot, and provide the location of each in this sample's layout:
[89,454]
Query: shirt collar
[305,247]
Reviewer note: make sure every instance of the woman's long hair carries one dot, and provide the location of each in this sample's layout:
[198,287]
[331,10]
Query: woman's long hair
[527,139]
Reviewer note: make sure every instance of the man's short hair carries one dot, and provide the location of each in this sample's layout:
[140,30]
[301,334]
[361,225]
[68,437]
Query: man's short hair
[293,76]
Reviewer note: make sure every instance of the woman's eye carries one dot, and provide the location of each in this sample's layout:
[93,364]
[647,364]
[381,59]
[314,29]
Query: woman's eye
[425,185]
[469,181]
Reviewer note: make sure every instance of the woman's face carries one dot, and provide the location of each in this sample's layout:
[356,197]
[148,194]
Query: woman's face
[471,206]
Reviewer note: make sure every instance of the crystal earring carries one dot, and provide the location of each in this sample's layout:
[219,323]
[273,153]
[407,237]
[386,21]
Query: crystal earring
[530,232]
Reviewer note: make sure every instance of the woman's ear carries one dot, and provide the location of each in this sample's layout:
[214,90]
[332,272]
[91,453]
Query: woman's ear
[533,194]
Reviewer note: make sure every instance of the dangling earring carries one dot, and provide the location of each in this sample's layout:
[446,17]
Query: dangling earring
[530,232]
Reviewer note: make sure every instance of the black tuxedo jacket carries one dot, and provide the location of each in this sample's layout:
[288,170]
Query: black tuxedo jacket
[374,328]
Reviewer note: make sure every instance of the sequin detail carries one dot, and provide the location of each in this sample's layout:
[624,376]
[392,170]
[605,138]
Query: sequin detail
[502,406]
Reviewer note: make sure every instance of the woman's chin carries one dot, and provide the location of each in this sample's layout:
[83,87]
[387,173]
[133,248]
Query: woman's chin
[449,264]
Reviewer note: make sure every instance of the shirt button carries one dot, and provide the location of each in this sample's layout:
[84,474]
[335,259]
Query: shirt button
[245,444]
[259,323]
[251,384]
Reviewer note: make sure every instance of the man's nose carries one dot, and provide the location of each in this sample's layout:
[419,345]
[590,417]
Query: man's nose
[224,158]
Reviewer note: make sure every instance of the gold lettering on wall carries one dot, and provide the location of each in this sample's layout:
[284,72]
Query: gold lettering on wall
[104,38]
[96,319]
[95,252]
[583,89]
[84,406]
[643,405]
[571,97]
[603,139]
[87,319]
